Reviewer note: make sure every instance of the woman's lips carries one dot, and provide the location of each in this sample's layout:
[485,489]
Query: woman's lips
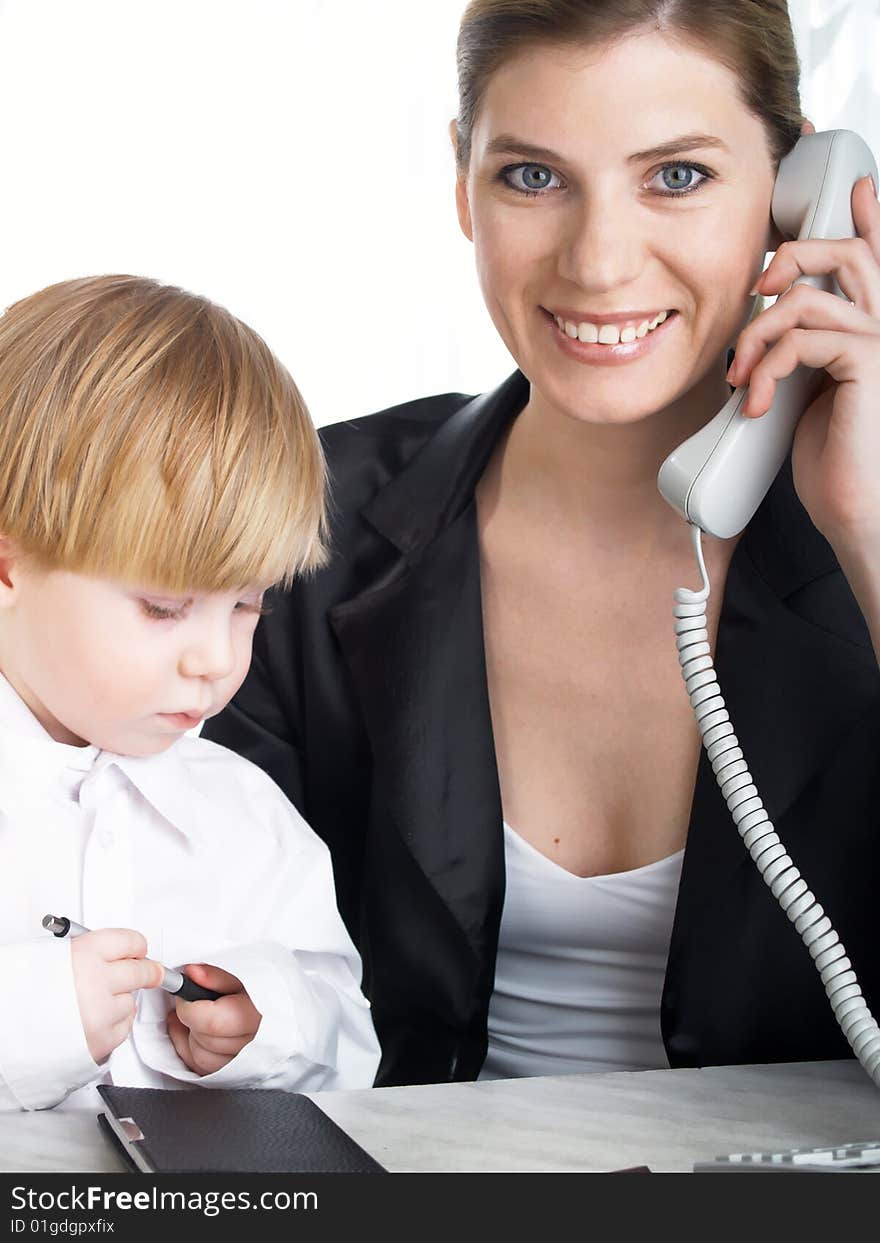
[609,355]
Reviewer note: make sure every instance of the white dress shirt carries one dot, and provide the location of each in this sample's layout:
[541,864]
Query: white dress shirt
[200,851]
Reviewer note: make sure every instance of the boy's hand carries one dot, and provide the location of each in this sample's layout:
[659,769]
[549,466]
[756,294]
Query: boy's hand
[108,967]
[208,1034]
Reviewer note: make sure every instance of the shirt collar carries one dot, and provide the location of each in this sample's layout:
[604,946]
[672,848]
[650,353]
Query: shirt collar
[32,762]
[169,785]
[28,752]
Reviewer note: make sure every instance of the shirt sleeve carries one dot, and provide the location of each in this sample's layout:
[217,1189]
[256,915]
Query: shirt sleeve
[316,1032]
[43,1051]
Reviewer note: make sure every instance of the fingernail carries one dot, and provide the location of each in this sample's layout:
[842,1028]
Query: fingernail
[873,184]
[754,288]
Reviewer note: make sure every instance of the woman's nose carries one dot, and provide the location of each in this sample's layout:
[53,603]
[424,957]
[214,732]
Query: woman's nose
[601,247]
[208,654]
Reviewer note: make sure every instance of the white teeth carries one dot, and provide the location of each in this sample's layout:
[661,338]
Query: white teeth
[609,334]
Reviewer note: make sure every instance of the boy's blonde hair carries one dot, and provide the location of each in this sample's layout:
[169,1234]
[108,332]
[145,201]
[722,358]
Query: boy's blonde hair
[147,435]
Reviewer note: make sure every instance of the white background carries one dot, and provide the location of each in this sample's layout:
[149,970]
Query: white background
[290,159]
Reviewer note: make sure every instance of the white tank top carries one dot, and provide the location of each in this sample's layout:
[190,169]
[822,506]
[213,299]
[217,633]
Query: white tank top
[580,967]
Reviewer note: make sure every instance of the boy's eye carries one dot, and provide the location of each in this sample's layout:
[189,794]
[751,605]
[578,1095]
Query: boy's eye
[252,606]
[163,612]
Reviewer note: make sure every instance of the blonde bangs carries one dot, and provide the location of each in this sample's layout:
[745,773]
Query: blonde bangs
[160,442]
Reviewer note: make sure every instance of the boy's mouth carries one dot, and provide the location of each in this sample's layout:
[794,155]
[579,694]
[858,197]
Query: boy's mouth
[187,719]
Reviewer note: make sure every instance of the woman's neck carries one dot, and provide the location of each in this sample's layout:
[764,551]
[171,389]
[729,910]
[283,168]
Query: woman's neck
[590,474]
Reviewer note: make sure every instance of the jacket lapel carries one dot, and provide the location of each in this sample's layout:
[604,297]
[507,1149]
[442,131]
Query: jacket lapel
[412,642]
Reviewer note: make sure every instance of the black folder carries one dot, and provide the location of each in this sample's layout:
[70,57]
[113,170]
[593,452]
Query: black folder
[227,1131]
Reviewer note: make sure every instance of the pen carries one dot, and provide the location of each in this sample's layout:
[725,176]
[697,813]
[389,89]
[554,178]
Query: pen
[172,981]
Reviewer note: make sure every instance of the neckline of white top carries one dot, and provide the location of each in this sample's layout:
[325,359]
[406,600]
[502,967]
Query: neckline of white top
[514,840]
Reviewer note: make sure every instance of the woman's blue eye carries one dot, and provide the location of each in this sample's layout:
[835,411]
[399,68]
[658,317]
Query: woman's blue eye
[530,178]
[679,179]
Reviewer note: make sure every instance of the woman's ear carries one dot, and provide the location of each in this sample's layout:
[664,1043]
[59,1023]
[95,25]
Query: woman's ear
[462,205]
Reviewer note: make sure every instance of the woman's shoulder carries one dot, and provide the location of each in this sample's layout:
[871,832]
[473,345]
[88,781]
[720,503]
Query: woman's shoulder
[387,440]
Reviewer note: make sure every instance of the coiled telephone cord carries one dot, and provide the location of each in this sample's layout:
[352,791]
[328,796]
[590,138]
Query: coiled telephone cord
[753,824]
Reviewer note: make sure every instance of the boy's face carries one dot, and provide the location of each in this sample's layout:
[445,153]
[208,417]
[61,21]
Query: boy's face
[125,669]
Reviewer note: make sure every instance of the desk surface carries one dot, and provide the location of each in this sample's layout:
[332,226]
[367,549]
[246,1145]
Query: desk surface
[665,1119]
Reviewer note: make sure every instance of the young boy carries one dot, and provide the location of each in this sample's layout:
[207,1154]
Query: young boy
[158,471]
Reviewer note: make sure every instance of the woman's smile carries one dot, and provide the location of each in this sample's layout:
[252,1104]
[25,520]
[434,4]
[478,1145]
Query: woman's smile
[610,341]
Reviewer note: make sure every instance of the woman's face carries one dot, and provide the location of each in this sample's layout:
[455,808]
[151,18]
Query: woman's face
[607,188]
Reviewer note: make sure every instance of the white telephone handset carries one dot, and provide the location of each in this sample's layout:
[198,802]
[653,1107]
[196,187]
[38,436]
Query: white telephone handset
[716,480]
[718,477]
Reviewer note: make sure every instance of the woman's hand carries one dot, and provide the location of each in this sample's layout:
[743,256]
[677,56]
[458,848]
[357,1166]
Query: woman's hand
[836,451]
[208,1034]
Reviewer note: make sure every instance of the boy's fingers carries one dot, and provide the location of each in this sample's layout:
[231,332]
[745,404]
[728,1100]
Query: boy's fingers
[179,1037]
[114,943]
[128,974]
[233,1016]
[156,973]
[222,1046]
[213,977]
[121,1009]
[195,1055]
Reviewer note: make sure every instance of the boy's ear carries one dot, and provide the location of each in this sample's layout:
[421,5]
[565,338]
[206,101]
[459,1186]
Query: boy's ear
[9,557]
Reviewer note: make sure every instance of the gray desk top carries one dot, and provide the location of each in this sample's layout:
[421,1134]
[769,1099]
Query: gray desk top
[665,1119]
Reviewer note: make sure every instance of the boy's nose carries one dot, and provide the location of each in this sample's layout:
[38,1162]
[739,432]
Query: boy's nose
[211,655]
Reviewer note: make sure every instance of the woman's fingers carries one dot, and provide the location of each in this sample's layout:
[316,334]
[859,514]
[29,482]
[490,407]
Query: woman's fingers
[854,262]
[851,261]
[843,355]
[802,307]
[866,214]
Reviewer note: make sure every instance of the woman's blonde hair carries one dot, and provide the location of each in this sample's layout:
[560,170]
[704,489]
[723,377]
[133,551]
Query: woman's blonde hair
[149,436]
[752,38]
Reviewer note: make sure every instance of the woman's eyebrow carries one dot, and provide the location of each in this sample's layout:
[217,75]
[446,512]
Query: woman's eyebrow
[509,144]
[684,142]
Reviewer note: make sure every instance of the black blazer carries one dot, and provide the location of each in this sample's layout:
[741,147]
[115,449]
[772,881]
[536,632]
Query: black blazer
[367,703]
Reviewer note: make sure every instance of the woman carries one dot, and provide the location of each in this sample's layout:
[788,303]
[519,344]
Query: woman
[478,703]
